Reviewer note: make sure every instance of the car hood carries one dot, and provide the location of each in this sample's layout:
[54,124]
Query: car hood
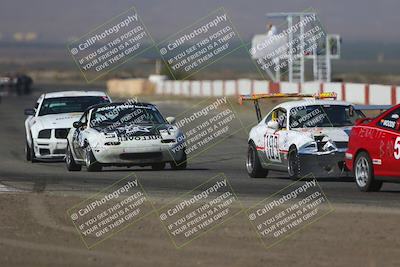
[134,133]
[337,134]
[134,129]
[52,121]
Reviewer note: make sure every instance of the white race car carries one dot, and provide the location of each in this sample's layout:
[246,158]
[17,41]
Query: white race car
[301,137]
[48,124]
[125,134]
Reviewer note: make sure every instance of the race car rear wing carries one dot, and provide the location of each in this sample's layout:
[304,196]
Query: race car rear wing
[372,107]
[256,97]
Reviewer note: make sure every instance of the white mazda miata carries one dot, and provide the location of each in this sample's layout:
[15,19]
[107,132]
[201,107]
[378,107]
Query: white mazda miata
[125,134]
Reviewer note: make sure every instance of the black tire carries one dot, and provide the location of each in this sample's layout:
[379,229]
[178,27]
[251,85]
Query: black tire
[70,161]
[92,165]
[32,152]
[27,151]
[364,174]
[158,166]
[181,164]
[253,165]
[293,163]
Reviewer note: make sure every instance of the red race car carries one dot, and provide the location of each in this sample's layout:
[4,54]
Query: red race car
[373,152]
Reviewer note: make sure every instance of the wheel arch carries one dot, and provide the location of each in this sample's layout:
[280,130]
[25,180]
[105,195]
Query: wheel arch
[291,146]
[28,133]
[358,151]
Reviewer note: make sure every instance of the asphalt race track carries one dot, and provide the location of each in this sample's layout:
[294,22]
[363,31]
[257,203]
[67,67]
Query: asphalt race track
[360,229]
[227,157]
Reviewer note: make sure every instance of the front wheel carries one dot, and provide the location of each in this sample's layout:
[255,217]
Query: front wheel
[253,165]
[27,151]
[70,161]
[180,164]
[158,166]
[364,174]
[293,163]
[92,165]
[30,152]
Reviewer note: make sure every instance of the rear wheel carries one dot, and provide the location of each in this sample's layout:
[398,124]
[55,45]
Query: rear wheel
[253,164]
[158,166]
[293,163]
[364,173]
[70,161]
[92,165]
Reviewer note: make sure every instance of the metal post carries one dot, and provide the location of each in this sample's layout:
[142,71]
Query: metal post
[315,64]
[301,51]
[290,59]
[158,66]
[278,70]
[328,60]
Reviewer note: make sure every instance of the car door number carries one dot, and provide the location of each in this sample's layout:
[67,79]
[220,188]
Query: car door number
[272,148]
[397,148]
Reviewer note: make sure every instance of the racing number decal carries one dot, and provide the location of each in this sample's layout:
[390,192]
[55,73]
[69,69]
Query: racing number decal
[397,148]
[272,148]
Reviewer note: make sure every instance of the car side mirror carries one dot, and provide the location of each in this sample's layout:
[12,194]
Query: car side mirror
[170,120]
[273,125]
[77,124]
[29,112]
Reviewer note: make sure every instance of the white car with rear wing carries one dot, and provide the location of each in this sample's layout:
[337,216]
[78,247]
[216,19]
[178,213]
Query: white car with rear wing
[301,137]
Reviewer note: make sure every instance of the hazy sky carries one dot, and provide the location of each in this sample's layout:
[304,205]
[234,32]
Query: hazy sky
[56,20]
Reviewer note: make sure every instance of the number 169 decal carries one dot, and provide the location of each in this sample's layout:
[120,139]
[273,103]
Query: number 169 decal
[272,148]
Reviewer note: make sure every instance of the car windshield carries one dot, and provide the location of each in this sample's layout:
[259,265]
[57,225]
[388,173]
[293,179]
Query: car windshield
[59,105]
[125,114]
[323,116]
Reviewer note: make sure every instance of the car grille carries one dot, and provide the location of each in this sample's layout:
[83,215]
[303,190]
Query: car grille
[61,133]
[59,151]
[341,144]
[44,151]
[45,134]
[135,156]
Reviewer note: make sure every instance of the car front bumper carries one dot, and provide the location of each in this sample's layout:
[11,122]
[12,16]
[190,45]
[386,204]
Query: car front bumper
[114,155]
[324,164]
[50,148]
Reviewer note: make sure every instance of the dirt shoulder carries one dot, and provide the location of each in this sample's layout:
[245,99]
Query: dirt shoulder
[35,231]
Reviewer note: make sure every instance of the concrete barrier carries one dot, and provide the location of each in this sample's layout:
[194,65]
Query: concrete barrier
[131,87]
[353,92]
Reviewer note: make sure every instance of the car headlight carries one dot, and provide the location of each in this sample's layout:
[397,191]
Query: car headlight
[310,147]
[168,135]
[110,135]
[44,134]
